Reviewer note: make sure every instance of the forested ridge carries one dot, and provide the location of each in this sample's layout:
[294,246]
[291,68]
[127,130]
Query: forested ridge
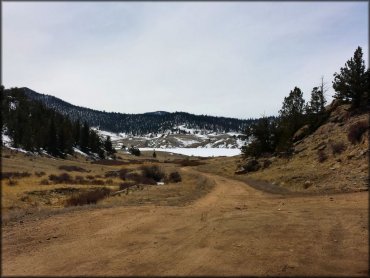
[140,124]
[33,126]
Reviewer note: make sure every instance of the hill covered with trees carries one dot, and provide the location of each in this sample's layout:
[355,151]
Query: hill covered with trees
[140,124]
[34,127]
[298,118]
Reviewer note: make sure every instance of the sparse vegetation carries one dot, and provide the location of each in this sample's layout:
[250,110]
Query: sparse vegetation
[117,174]
[15,175]
[337,147]
[356,131]
[72,168]
[12,182]
[321,156]
[40,174]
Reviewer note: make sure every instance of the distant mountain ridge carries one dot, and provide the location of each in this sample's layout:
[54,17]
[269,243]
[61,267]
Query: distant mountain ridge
[140,124]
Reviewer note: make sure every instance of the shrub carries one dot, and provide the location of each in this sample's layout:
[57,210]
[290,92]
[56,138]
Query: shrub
[252,165]
[153,172]
[14,175]
[337,147]
[86,198]
[90,177]
[12,182]
[125,185]
[139,179]
[114,174]
[40,174]
[174,177]
[109,181]
[72,168]
[134,151]
[321,156]
[62,178]
[44,182]
[356,131]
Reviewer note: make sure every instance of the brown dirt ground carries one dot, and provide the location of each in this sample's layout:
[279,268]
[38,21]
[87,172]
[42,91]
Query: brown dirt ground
[233,230]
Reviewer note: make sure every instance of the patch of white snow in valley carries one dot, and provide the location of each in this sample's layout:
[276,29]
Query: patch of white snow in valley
[7,141]
[203,152]
[80,152]
[113,136]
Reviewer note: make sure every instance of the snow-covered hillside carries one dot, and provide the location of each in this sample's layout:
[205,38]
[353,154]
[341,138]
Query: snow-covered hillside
[183,138]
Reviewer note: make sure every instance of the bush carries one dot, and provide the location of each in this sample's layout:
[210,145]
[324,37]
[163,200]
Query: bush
[44,182]
[90,177]
[321,156]
[134,151]
[14,175]
[174,177]
[337,147]
[90,197]
[139,179]
[62,178]
[40,174]
[72,168]
[125,185]
[153,172]
[356,131]
[114,174]
[12,182]
[252,165]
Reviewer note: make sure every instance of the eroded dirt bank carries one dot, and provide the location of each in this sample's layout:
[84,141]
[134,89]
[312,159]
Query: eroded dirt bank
[234,230]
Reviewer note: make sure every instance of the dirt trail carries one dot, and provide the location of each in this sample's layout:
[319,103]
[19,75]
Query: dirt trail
[234,230]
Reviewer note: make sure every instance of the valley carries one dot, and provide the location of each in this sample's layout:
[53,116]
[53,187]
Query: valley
[229,226]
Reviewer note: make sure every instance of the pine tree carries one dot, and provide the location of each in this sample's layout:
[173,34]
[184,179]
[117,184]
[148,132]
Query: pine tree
[291,118]
[352,83]
[108,146]
[317,103]
[84,137]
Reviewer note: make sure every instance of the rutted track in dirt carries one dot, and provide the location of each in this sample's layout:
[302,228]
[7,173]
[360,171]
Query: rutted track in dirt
[234,230]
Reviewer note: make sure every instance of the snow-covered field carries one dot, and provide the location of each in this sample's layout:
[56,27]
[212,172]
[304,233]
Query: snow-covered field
[203,152]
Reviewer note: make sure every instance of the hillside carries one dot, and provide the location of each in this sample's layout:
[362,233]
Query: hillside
[334,158]
[141,124]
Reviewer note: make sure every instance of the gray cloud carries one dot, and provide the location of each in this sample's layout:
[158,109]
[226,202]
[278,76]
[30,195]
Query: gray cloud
[231,59]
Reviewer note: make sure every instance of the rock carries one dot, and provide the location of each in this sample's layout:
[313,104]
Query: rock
[321,146]
[301,133]
[240,171]
[299,149]
[252,165]
[307,184]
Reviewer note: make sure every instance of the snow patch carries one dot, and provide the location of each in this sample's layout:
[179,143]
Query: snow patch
[203,152]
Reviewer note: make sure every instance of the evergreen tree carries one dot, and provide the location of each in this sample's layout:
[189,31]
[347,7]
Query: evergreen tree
[291,118]
[317,103]
[108,146]
[84,137]
[262,137]
[352,83]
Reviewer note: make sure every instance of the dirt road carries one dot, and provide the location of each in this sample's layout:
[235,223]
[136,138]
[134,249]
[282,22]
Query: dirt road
[234,230]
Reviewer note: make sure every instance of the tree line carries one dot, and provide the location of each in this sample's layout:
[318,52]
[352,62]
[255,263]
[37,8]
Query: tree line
[276,134]
[140,124]
[34,127]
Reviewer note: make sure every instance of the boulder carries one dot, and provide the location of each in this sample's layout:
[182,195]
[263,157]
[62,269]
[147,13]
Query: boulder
[252,165]
[301,133]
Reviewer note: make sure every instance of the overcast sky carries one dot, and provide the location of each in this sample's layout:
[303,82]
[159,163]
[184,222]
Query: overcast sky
[237,59]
